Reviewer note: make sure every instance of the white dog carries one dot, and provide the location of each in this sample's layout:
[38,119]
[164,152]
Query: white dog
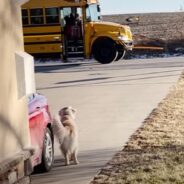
[65,129]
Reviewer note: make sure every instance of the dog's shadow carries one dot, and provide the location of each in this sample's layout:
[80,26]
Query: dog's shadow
[60,162]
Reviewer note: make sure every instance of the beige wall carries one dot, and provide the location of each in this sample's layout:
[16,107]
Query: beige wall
[13,111]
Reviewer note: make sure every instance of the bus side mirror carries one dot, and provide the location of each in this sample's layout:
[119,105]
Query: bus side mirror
[98,8]
[99,17]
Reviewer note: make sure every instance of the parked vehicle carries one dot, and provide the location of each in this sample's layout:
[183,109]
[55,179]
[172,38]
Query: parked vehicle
[42,138]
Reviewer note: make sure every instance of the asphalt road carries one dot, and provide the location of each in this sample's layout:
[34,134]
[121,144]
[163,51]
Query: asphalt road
[111,100]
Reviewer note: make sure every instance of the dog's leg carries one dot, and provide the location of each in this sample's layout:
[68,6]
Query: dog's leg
[75,157]
[66,156]
[67,159]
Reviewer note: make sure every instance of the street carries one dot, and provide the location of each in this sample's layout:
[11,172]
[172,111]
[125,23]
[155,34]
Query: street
[111,101]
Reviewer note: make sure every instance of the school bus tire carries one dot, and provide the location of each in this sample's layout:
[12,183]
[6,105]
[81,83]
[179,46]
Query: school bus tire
[121,55]
[105,50]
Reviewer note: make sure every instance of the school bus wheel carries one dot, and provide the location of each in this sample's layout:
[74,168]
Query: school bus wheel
[105,50]
[121,54]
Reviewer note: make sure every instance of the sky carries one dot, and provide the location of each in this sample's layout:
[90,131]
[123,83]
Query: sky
[140,6]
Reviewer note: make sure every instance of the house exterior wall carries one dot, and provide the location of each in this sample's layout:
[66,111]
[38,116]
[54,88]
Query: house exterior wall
[14,131]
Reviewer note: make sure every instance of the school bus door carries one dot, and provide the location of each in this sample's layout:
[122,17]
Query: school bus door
[72,32]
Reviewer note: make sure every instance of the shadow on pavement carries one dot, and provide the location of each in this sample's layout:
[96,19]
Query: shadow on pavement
[90,163]
[51,68]
[109,80]
[87,66]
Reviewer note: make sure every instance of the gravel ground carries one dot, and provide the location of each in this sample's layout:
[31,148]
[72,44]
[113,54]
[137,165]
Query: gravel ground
[155,152]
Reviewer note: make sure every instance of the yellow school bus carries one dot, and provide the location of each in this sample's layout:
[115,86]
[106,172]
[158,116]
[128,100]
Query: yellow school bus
[74,29]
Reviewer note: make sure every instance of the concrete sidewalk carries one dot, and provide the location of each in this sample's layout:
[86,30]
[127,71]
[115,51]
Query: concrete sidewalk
[112,102]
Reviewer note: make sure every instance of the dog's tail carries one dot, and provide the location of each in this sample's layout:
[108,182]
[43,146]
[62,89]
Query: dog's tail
[58,129]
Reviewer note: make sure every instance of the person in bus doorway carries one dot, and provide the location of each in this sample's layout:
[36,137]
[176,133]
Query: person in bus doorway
[67,27]
[76,29]
[72,19]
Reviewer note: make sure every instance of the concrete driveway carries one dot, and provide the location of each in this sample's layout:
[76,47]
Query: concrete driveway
[112,101]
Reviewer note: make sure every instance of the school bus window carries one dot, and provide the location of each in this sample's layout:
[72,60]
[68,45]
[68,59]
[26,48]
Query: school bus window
[36,16]
[93,13]
[25,19]
[52,15]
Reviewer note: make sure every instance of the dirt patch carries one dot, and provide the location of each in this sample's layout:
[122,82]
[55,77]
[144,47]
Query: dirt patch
[155,152]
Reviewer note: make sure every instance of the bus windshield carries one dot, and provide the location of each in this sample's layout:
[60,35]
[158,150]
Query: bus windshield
[93,13]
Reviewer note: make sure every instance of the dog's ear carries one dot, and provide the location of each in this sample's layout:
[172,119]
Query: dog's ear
[74,110]
[60,112]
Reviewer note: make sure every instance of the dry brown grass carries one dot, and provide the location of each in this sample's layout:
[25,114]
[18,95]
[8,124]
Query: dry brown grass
[155,152]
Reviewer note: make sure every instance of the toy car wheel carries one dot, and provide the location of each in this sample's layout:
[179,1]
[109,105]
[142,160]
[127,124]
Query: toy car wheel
[47,153]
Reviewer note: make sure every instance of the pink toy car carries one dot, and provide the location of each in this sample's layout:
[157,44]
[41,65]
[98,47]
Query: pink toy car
[42,138]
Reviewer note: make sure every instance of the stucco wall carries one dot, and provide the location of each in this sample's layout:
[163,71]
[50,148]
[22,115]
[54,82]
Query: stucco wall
[14,134]
[162,29]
